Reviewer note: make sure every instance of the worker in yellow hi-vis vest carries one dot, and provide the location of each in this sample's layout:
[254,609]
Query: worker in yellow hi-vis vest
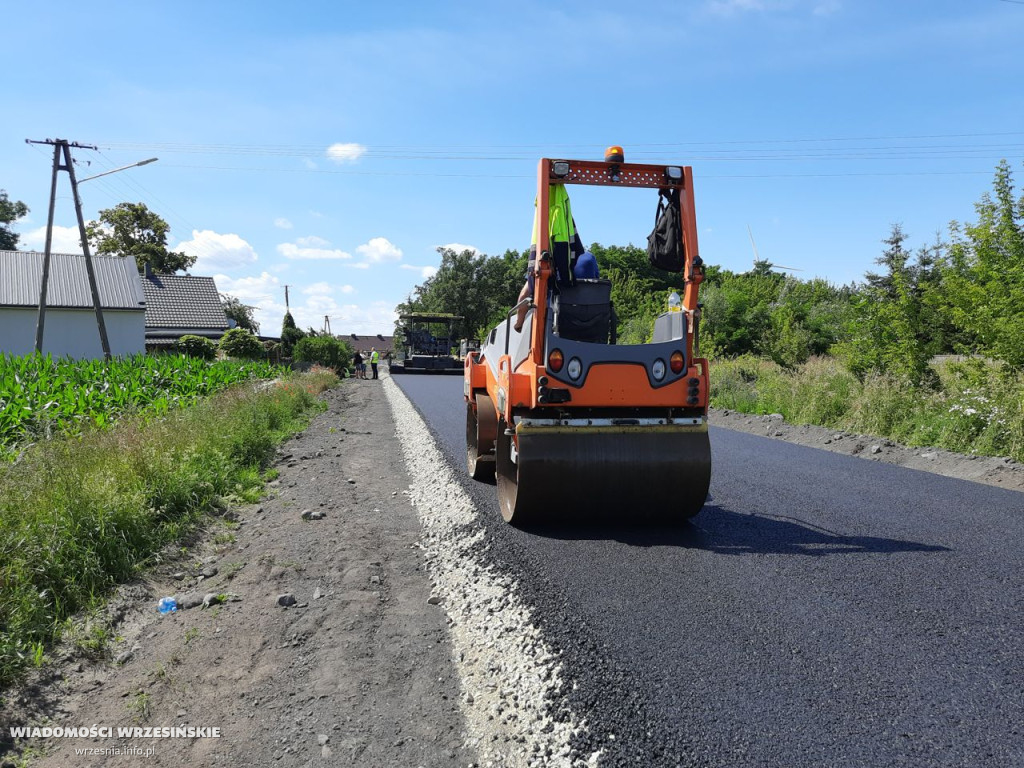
[374,359]
[562,237]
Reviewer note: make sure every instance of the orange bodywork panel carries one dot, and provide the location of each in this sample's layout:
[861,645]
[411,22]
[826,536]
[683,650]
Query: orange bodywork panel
[611,384]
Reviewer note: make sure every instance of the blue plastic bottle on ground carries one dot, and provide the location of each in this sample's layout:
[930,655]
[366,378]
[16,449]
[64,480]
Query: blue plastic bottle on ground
[167,605]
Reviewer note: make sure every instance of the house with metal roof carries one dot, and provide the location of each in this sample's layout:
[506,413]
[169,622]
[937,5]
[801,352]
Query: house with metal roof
[70,328]
[363,343]
[181,305]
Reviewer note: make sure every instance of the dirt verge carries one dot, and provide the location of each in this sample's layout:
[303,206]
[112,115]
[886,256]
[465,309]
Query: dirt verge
[317,639]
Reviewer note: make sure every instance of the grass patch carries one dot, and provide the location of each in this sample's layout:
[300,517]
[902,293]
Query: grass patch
[138,707]
[974,407]
[78,515]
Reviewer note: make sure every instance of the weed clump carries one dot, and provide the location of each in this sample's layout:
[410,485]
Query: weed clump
[972,406]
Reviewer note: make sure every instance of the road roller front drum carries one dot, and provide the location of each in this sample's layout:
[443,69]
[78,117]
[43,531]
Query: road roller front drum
[612,474]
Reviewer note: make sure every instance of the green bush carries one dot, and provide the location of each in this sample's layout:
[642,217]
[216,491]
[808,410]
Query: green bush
[240,343]
[323,350]
[196,346]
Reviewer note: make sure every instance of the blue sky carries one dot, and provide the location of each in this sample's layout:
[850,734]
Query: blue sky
[333,146]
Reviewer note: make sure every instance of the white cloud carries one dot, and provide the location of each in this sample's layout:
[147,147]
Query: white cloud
[255,291]
[459,248]
[380,250]
[425,272]
[309,304]
[311,248]
[362,319]
[359,265]
[345,153]
[217,252]
[322,289]
[65,240]
[282,223]
[326,289]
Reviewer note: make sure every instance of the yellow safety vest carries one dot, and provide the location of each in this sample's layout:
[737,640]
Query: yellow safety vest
[561,227]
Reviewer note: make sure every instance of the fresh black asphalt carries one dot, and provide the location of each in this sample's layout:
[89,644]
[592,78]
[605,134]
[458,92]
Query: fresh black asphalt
[822,610]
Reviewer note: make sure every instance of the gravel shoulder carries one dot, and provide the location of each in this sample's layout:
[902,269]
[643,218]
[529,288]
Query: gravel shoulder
[358,669]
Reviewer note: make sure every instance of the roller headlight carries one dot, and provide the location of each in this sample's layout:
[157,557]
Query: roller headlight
[574,369]
[658,369]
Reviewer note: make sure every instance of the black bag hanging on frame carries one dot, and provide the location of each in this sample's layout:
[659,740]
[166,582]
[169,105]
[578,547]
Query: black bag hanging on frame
[665,244]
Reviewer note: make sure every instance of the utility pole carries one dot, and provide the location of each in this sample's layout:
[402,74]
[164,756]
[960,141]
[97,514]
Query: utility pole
[63,147]
[327,325]
[287,309]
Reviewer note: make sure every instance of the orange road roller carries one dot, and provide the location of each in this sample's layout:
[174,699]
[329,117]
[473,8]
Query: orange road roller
[575,427]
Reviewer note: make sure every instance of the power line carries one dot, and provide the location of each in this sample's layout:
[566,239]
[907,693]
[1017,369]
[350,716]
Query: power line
[532,176]
[320,151]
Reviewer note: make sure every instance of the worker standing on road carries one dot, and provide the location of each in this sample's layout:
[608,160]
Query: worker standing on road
[357,361]
[374,359]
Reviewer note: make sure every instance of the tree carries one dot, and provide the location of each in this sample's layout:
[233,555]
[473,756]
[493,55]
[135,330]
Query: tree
[892,330]
[10,212]
[290,333]
[477,287]
[132,230]
[983,280]
[242,314]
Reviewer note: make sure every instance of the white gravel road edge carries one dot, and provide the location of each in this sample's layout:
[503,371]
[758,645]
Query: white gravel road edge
[509,676]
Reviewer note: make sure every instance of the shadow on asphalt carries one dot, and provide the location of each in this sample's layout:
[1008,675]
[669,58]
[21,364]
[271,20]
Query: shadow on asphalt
[725,532]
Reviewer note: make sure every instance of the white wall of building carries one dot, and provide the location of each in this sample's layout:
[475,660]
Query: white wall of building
[72,332]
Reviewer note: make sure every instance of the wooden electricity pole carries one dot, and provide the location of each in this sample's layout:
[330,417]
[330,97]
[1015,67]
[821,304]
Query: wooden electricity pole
[63,147]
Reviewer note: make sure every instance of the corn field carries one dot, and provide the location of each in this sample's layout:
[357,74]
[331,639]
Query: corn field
[40,396]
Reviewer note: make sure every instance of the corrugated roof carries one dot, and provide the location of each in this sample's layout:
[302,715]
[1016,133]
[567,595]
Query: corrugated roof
[364,341]
[183,302]
[21,275]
